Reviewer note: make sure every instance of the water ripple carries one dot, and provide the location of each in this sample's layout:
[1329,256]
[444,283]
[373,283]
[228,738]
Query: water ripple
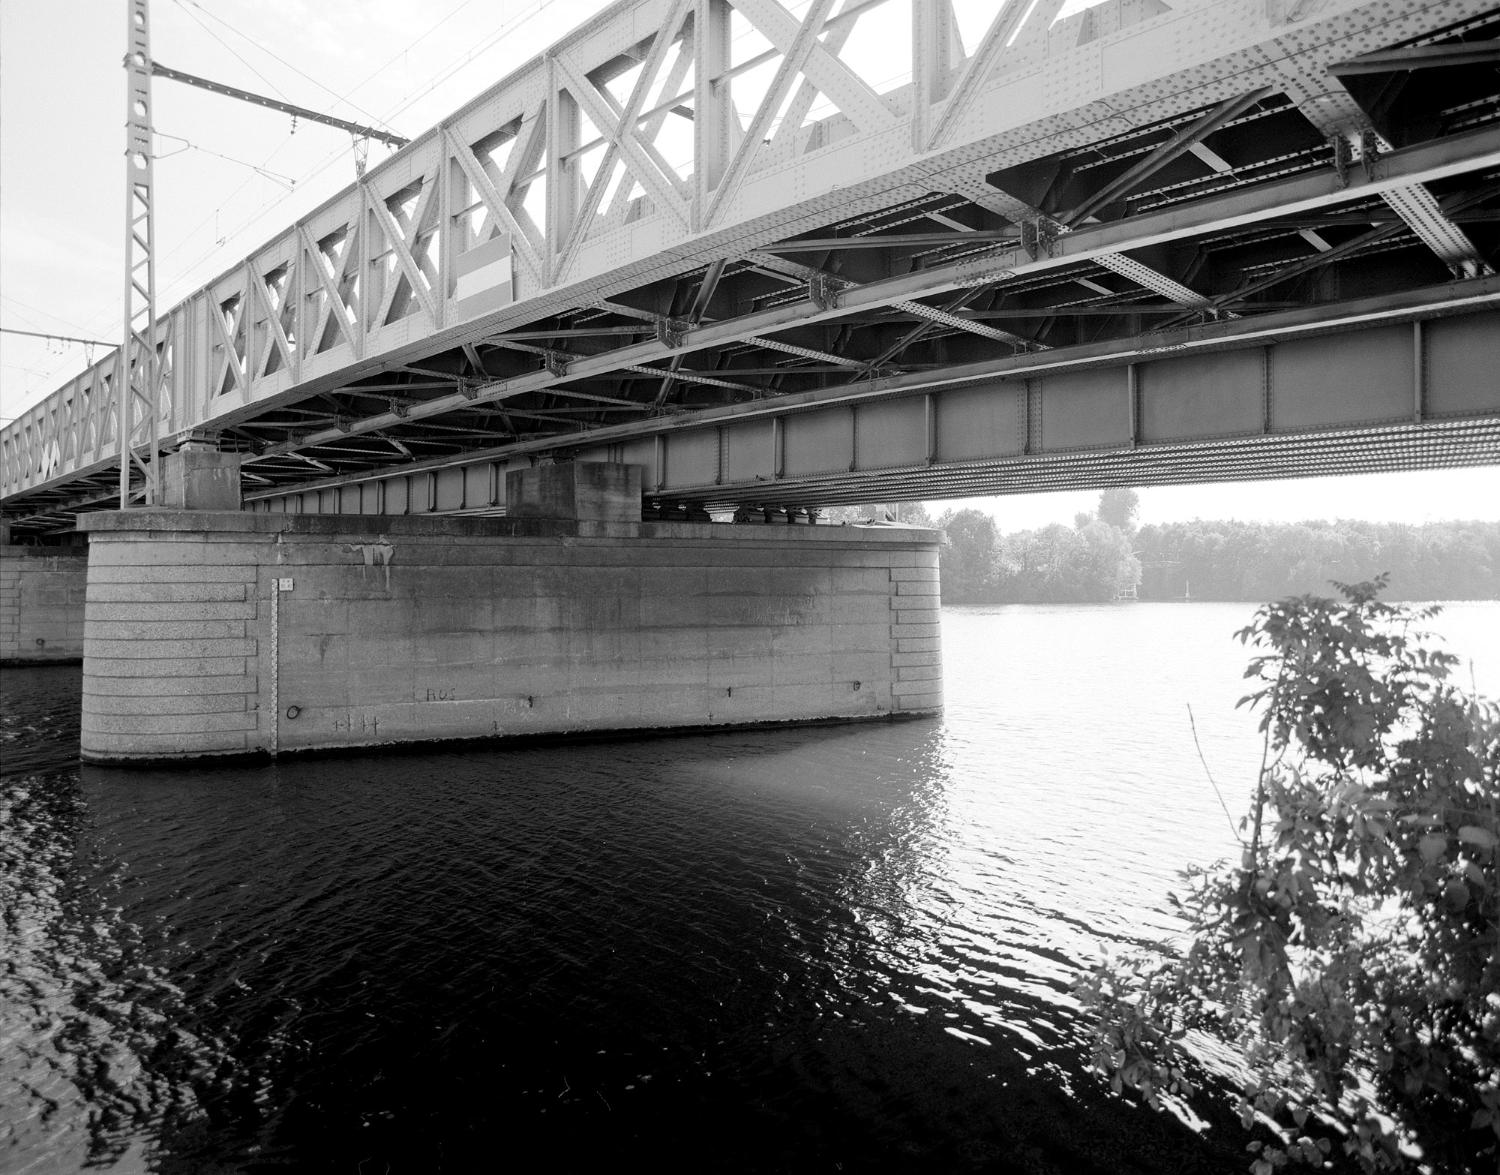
[789,950]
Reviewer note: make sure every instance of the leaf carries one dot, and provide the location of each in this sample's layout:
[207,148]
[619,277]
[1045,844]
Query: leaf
[1472,834]
[1456,894]
[1432,846]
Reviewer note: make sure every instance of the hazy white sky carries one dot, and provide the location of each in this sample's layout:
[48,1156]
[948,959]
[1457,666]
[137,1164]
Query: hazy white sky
[230,176]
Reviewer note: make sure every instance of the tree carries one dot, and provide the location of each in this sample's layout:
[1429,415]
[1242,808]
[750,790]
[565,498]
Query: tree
[1353,954]
[915,514]
[1101,564]
[968,557]
[908,513]
[1118,508]
[1032,565]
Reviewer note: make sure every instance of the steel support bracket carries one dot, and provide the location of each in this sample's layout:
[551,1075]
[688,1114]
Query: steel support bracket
[670,333]
[1341,158]
[1037,237]
[823,291]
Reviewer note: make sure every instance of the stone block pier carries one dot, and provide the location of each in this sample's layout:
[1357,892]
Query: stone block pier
[41,604]
[226,633]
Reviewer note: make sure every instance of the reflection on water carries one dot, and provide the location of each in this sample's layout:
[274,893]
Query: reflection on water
[96,1059]
[752,951]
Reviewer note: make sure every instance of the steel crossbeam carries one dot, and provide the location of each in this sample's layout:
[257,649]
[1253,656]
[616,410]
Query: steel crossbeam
[634,172]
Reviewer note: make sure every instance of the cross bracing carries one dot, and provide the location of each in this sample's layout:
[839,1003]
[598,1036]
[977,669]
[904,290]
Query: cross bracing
[689,207]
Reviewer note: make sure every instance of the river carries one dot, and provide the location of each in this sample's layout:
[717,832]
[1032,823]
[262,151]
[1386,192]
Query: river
[816,949]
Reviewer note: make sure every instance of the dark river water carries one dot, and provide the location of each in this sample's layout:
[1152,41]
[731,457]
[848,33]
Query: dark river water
[833,949]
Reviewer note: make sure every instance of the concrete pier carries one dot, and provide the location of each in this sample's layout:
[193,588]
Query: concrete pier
[41,604]
[229,633]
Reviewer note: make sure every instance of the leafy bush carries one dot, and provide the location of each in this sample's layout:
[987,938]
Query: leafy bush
[1352,956]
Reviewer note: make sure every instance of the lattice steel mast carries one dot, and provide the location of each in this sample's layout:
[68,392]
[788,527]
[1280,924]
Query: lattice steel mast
[138,378]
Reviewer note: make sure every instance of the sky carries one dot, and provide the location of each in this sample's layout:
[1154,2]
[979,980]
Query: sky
[230,176]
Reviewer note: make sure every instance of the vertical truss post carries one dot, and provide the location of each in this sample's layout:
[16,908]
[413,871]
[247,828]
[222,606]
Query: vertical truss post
[1419,373]
[450,183]
[712,112]
[563,171]
[932,36]
[137,375]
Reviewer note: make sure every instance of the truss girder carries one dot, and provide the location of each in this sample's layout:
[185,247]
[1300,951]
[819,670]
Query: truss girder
[1420,210]
[1328,105]
[1389,388]
[1481,149]
[573,182]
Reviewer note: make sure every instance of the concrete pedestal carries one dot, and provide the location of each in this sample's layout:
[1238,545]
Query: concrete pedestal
[200,477]
[212,634]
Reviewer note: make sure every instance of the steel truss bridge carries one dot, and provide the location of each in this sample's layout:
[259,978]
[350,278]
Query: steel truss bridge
[872,250]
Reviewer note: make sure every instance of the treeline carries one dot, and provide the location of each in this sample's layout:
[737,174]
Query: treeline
[1056,565]
[1266,561]
[1104,556]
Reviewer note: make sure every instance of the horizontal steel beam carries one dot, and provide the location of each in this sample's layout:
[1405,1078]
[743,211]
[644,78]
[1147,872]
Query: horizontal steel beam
[1260,391]
[1419,57]
[354,128]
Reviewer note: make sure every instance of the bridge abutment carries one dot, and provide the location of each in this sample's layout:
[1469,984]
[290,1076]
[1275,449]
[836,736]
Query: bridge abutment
[230,633]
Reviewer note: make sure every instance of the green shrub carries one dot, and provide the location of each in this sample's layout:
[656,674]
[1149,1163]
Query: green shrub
[1352,956]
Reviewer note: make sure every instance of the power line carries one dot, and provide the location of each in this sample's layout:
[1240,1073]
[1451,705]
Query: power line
[50,375]
[285,181]
[329,160]
[231,49]
[483,47]
[508,26]
[268,51]
[407,48]
[33,312]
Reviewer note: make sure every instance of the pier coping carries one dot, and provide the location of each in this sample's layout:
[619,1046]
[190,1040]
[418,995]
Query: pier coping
[313,525]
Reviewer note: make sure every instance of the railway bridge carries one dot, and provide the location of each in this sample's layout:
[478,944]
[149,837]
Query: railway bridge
[712,255]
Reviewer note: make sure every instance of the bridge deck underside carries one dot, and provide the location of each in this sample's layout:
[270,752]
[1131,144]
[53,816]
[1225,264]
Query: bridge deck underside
[1408,394]
[1322,240]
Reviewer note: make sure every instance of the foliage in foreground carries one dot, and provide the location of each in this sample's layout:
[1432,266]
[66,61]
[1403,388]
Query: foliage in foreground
[1353,955]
